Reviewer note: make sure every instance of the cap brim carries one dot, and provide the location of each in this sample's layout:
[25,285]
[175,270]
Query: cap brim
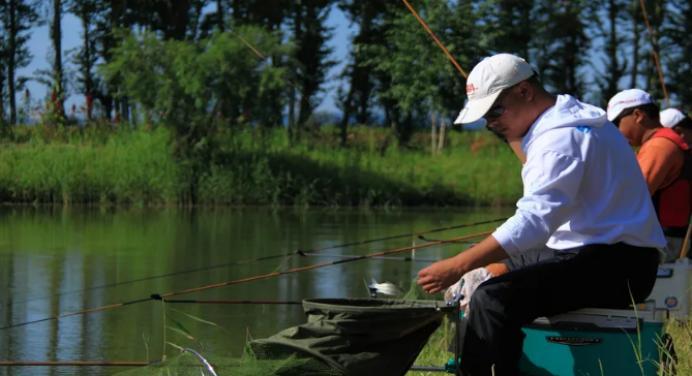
[476,109]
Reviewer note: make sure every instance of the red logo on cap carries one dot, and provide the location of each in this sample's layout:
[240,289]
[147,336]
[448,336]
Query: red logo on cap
[470,89]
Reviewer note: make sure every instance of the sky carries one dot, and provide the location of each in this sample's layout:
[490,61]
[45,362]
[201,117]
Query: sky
[40,48]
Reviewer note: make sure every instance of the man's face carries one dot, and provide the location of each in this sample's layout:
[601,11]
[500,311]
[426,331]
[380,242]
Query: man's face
[630,126]
[507,115]
[686,134]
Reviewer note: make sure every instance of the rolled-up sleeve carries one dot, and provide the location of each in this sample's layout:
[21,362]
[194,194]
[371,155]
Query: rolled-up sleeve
[551,182]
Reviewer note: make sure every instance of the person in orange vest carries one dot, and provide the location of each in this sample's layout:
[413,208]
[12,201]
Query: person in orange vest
[661,156]
[679,122]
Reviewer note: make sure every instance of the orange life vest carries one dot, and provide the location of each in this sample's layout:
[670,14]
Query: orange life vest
[674,202]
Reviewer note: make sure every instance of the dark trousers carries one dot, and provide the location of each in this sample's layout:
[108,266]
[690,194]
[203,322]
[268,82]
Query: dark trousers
[547,283]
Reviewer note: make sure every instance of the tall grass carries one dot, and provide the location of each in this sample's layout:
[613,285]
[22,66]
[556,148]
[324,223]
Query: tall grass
[125,167]
[255,167]
[474,169]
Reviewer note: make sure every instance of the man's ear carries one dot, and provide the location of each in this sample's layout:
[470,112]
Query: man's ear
[644,120]
[639,117]
[526,91]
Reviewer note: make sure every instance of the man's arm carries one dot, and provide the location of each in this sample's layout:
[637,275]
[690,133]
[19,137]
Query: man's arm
[443,274]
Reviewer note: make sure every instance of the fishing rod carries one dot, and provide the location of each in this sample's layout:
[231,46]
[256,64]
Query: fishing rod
[298,252]
[230,302]
[657,59]
[74,363]
[239,281]
[300,269]
[435,39]
[388,258]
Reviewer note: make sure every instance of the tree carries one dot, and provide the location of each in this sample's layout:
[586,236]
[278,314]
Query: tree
[368,15]
[613,59]
[654,13]
[86,57]
[195,89]
[174,19]
[421,80]
[58,85]
[680,55]
[560,44]
[18,18]
[635,12]
[506,26]
[310,36]
[269,14]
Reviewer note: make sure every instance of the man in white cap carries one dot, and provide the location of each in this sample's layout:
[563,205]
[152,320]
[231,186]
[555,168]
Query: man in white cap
[585,207]
[679,122]
[661,157]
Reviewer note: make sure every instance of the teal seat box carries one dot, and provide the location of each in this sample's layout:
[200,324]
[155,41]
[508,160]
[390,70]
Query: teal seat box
[593,342]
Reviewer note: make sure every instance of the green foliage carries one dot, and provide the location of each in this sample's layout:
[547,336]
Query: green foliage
[197,88]
[128,168]
[420,78]
[273,172]
[678,54]
[216,81]
[255,167]
[561,44]
[311,57]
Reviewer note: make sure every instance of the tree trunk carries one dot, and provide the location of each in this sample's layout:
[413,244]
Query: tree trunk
[348,108]
[635,45]
[219,15]
[2,101]
[612,50]
[11,63]
[56,38]
[442,134]
[291,113]
[86,64]
[433,135]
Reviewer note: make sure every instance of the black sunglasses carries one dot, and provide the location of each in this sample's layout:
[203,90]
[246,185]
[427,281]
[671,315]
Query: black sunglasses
[624,113]
[494,112]
[497,109]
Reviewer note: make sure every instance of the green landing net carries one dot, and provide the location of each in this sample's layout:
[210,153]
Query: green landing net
[186,364]
[342,337]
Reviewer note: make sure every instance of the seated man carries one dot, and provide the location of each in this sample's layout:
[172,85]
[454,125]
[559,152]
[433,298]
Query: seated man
[679,122]
[661,157]
[585,204]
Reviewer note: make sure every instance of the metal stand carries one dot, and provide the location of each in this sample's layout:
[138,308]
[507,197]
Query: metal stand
[452,365]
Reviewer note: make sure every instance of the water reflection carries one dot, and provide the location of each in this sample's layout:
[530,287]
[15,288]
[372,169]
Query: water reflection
[54,261]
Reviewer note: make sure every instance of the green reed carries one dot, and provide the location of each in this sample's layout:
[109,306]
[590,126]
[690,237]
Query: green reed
[102,165]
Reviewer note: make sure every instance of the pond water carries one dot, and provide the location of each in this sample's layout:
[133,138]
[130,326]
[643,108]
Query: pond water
[57,261]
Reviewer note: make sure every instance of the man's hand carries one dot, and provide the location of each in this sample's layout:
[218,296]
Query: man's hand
[445,273]
[440,275]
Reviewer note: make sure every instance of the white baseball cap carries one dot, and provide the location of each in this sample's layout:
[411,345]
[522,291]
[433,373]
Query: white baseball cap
[487,80]
[626,99]
[671,117]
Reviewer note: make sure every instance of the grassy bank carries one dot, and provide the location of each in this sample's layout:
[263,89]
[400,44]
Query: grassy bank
[250,167]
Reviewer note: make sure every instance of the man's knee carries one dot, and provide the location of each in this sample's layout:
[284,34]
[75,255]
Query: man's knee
[488,296]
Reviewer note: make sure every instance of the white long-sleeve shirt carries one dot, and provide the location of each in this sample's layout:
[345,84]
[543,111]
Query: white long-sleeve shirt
[582,185]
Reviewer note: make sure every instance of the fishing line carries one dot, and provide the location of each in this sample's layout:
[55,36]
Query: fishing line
[298,252]
[258,277]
